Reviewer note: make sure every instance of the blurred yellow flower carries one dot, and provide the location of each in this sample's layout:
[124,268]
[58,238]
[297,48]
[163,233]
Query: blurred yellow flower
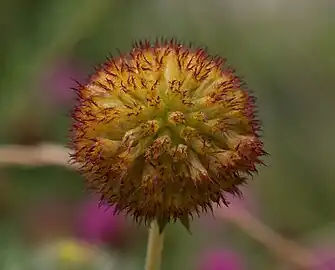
[72,251]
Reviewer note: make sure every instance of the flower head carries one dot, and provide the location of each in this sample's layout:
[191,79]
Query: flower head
[165,131]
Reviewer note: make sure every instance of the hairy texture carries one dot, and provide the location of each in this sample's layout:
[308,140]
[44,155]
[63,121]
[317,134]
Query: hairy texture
[165,131]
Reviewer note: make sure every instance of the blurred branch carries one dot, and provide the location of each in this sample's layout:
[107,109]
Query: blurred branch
[284,248]
[50,154]
[326,231]
[41,155]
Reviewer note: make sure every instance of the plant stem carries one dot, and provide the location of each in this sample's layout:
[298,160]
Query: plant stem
[154,248]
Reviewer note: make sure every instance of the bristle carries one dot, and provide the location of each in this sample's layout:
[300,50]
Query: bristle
[150,131]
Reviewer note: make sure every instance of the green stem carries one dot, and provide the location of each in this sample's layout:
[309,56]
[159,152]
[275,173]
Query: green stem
[154,248]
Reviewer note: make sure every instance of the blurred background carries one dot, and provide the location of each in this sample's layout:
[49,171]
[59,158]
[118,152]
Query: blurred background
[285,52]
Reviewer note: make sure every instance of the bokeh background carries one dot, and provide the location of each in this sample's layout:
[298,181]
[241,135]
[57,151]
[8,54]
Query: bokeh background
[284,49]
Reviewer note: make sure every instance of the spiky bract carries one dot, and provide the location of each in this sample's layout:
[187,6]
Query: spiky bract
[165,131]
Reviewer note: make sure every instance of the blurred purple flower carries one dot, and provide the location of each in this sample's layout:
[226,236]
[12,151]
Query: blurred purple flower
[99,225]
[59,80]
[220,259]
[326,256]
